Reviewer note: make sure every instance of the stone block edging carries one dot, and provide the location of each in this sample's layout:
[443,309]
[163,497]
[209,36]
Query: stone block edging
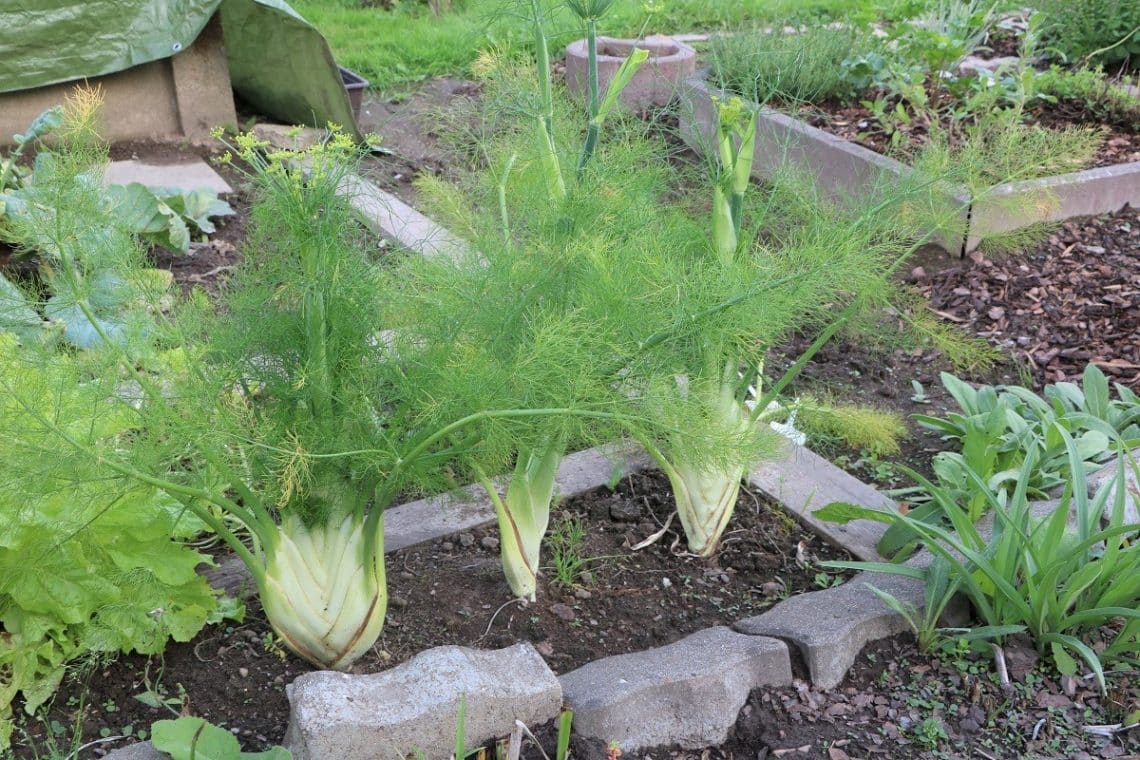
[846,170]
[687,693]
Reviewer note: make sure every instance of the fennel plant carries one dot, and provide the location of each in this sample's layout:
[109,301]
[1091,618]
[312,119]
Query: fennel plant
[284,419]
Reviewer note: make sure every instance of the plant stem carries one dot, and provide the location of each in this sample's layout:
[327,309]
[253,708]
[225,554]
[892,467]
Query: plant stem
[592,63]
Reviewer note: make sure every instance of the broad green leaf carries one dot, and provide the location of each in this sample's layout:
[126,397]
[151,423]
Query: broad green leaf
[194,739]
[16,312]
[138,209]
[177,234]
[1095,386]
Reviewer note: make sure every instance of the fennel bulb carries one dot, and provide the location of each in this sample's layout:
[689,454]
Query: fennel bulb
[324,590]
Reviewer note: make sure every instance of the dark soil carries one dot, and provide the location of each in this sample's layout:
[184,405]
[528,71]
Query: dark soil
[1073,299]
[899,703]
[857,123]
[406,127]
[453,592]
[622,601]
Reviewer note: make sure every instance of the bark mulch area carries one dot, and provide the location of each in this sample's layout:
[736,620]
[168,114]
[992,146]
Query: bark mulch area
[452,592]
[1073,299]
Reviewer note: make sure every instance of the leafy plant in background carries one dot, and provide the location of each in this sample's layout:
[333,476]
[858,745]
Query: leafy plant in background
[946,33]
[1089,89]
[12,173]
[164,216]
[85,277]
[1062,581]
[810,66]
[998,427]
[1097,31]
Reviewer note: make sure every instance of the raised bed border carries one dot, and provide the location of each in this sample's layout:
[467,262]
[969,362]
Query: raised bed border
[847,170]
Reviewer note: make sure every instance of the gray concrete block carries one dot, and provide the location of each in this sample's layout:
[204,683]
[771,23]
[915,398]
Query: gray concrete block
[656,83]
[202,86]
[414,707]
[193,175]
[388,216]
[802,482]
[688,692]
[1014,205]
[832,626]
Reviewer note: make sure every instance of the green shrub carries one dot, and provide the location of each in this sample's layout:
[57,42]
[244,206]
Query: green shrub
[1108,31]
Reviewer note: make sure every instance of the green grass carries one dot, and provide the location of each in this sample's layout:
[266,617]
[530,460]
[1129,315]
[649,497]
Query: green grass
[394,48]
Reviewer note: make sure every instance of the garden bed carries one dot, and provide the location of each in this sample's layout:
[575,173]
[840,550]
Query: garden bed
[236,675]
[622,601]
[858,124]
[848,170]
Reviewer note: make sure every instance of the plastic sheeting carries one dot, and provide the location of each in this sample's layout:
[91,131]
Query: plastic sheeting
[279,63]
[282,66]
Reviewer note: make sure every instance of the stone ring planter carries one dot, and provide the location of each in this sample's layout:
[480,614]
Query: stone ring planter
[846,170]
[655,84]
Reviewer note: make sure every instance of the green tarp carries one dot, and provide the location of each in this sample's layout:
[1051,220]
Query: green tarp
[279,64]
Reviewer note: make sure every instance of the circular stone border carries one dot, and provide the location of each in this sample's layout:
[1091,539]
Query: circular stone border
[655,84]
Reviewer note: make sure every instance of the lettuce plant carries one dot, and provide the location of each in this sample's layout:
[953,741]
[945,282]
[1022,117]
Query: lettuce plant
[89,563]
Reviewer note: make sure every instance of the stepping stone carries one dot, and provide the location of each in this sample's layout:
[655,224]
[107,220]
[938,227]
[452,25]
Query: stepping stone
[413,709]
[194,175]
[388,216]
[687,693]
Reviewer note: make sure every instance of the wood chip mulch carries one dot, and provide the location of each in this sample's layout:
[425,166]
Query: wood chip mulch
[1072,300]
